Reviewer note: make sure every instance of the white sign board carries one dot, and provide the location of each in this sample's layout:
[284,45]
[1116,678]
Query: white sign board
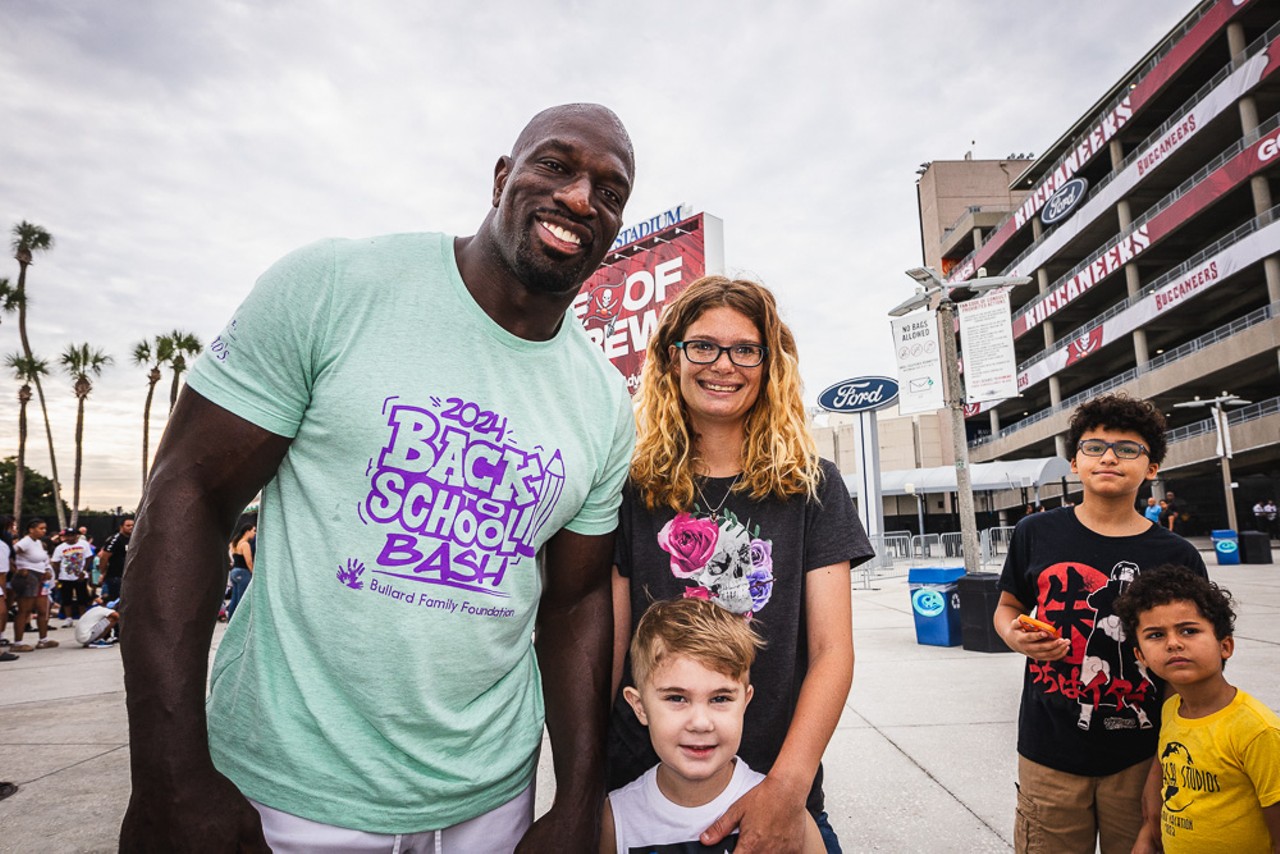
[986,340]
[915,345]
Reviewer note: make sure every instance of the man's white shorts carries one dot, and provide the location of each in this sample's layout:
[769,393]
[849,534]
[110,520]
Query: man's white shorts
[497,831]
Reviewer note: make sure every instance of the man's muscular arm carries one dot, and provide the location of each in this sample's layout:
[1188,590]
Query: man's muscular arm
[210,464]
[574,644]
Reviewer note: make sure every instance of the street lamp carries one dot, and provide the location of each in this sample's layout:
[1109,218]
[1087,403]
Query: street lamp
[910,489]
[932,291]
[1224,442]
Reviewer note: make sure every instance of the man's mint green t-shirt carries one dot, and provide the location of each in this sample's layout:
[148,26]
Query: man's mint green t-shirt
[380,673]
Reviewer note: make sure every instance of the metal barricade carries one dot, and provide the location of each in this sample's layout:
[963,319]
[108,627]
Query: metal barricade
[995,543]
[890,549]
[953,544]
[925,547]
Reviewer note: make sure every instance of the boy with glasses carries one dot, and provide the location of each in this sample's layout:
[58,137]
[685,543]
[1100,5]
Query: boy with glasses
[1090,711]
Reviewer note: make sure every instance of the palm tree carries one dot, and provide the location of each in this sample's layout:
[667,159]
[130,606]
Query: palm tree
[145,353]
[8,297]
[26,369]
[28,239]
[182,344]
[79,361]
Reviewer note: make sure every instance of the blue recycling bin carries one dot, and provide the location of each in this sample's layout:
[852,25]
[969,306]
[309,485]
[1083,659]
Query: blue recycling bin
[935,604]
[1226,545]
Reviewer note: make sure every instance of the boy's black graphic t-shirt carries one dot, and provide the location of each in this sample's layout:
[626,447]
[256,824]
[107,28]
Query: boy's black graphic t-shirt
[1096,711]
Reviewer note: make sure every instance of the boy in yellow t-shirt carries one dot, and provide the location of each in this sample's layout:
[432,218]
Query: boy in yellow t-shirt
[1219,783]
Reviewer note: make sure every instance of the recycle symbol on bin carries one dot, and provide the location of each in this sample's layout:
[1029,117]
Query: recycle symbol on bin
[928,602]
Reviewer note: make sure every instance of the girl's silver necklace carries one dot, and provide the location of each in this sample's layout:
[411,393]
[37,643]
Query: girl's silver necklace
[715,511]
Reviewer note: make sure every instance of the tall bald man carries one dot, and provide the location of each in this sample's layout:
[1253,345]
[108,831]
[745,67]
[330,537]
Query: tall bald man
[440,450]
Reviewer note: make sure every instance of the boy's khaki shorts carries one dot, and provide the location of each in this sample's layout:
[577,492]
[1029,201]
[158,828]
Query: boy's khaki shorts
[1060,813]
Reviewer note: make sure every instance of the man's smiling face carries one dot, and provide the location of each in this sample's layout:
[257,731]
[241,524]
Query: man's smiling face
[560,197]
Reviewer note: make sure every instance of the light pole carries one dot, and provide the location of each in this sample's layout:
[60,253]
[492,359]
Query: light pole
[1224,443]
[911,490]
[933,292]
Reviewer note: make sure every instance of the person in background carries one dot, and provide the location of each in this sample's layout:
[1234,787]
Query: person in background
[241,564]
[70,559]
[7,528]
[1171,517]
[1153,510]
[113,555]
[32,572]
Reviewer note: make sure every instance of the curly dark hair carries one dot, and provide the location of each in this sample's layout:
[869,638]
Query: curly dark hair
[1119,412]
[1170,583]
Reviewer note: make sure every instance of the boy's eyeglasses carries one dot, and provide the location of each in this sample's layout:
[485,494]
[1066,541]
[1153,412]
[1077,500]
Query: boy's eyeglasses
[707,352]
[1124,449]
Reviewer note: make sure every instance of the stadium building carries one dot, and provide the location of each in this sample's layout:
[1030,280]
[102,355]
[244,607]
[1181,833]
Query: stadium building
[1149,228]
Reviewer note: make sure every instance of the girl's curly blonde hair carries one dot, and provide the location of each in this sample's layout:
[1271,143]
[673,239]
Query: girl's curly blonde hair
[779,456]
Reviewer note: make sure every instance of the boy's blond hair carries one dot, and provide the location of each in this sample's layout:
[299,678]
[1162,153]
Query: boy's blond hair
[695,629]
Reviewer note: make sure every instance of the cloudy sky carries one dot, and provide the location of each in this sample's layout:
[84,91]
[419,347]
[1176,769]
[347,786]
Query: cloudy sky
[175,148]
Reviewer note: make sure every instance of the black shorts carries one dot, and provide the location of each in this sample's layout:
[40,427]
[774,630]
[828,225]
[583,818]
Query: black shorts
[25,583]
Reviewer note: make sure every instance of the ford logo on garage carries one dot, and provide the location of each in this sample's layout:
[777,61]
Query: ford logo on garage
[861,394]
[1063,202]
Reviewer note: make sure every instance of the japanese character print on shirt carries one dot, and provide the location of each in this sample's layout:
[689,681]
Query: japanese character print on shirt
[1100,670]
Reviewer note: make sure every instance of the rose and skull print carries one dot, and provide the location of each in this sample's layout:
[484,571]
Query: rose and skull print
[721,558]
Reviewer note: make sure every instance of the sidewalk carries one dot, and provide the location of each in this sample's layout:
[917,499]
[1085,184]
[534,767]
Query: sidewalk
[923,759]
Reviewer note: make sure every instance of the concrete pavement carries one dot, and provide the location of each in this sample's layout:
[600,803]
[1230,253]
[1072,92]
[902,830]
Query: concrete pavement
[923,758]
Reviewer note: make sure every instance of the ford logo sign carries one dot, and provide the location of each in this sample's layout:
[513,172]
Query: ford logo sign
[1063,202]
[861,394]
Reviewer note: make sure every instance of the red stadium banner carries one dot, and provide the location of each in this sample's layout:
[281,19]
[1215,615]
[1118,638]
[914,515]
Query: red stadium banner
[1151,229]
[1193,282]
[620,304]
[1262,65]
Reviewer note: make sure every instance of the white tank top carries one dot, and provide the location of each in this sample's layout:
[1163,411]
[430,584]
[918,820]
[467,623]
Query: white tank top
[643,818]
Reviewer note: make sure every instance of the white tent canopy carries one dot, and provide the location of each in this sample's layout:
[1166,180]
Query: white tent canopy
[987,477]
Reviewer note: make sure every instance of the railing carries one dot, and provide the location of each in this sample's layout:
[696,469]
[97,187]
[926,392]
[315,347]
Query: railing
[897,551]
[1262,408]
[995,543]
[1170,43]
[969,211]
[889,548]
[1213,336]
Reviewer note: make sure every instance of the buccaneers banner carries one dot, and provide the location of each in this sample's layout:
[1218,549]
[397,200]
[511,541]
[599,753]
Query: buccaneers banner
[620,304]
[1190,283]
[1205,29]
[1166,218]
[1176,133]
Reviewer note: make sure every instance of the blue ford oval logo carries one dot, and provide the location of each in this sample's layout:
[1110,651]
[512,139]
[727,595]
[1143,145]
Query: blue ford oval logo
[861,394]
[1063,202]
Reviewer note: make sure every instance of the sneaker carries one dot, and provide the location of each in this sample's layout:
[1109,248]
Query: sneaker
[99,644]
[69,624]
[4,641]
[22,647]
[8,656]
[46,644]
